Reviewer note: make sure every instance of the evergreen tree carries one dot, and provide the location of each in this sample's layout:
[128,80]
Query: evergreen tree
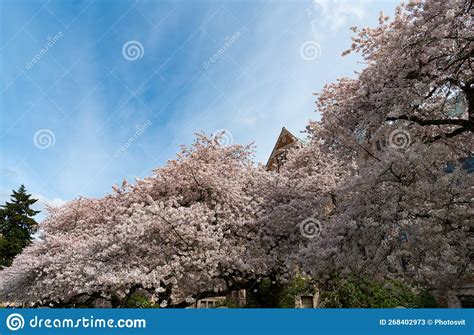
[16,225]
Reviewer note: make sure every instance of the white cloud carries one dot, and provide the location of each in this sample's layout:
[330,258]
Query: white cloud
[44,201]
[330,16]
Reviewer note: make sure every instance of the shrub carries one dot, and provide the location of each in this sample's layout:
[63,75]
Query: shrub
[360,292]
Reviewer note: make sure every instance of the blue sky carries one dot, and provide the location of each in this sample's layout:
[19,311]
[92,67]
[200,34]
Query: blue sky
[79,112]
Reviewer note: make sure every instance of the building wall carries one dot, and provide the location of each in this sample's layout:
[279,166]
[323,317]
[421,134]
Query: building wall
[458,298]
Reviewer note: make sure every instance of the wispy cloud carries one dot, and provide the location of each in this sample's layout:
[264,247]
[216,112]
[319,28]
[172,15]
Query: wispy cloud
[92,98]
[329,16]
[44,202]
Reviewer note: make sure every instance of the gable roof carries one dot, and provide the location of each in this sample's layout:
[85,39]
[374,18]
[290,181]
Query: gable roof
[285,140]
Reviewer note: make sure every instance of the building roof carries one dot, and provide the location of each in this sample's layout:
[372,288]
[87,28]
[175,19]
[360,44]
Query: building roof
[284,141]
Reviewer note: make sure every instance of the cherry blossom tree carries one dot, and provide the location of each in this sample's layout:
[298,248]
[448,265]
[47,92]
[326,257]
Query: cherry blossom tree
[405,118]
[186,232]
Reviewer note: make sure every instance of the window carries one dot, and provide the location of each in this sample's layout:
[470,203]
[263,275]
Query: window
[307,302]
[280,160]
[380,144]
[405,263]
[467,301]
[403,237]
[208,304]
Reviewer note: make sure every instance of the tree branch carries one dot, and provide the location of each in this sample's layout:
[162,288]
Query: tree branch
[467,124]
[455,132]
